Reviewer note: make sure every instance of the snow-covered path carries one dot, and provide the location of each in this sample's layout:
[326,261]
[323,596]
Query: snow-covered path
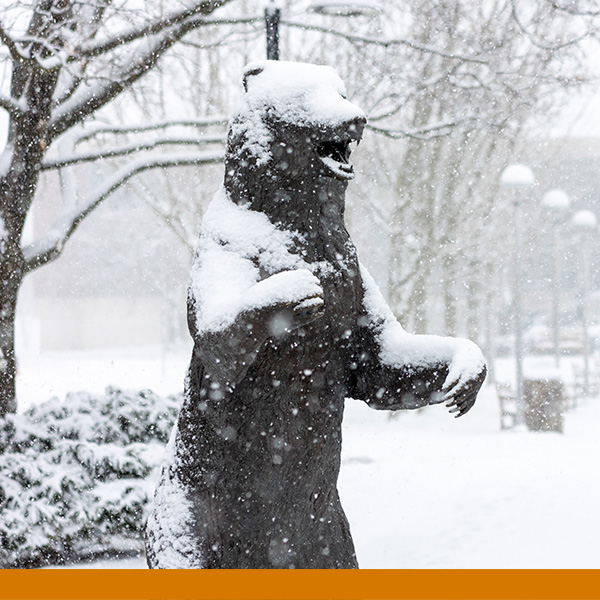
[421,489]
[427,491]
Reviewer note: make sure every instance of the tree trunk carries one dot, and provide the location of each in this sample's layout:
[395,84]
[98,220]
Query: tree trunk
[450,308]
[418,303]
[11,277]
[474,292]
[27,142]
[16,195]
[490,333]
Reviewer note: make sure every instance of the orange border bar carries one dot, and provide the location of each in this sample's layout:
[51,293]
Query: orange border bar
[299,585]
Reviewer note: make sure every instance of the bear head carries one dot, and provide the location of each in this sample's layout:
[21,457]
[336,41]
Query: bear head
[291,134]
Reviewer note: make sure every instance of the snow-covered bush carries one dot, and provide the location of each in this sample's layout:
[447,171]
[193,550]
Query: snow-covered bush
[76,476]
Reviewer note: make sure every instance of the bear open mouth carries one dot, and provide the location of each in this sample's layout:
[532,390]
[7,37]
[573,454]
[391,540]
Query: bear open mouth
[334,155]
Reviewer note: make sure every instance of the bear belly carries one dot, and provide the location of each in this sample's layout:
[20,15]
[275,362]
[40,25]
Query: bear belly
[269,453]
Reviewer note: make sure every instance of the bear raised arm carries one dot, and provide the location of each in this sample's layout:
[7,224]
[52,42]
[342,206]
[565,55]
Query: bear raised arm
[396,370]
[286,325]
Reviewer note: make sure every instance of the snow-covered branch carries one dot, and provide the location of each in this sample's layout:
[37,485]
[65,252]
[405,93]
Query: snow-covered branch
[539,43]
[386,43]
[52,245]
[178,18]
[425,133]
[89,99]
[130,149]
[11,45]
[10,106]
[100,129]
[56,57]
[235,21]
[573,9]
[94,96]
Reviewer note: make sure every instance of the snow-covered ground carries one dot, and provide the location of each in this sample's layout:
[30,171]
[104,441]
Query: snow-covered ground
[421,489]
[44,375]
[427,491]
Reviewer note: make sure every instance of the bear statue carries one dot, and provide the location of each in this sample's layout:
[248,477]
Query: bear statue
[286,325]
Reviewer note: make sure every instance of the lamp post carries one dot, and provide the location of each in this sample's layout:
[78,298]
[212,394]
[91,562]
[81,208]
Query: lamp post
[586,223]
[272,20]
[556,203]
[519,180]
[339,8]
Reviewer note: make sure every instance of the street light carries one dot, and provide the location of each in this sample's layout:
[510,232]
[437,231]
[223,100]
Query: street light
[272,19]
[519,180]
[339,8]
[556,203]
[586,222]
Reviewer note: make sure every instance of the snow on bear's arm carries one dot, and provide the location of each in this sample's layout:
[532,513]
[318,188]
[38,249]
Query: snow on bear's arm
[236,244]
[284,287]
[220,279]
[399,348]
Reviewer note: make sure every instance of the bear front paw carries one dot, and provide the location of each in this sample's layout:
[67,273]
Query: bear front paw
[286,316]
[461,395]
[309,310]
[288,300]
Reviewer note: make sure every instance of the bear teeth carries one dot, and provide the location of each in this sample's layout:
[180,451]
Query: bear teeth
[335,155]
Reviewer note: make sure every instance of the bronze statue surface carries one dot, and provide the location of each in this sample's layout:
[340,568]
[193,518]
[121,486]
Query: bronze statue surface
[286,325]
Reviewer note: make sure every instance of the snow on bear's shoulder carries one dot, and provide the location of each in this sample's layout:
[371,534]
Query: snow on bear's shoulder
[236,248]
[246,232]
[399,348]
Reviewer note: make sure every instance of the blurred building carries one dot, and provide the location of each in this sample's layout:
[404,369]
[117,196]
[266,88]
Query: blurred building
[121,280]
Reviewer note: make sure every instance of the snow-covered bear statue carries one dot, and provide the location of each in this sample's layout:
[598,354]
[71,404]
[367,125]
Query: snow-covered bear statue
[286,324]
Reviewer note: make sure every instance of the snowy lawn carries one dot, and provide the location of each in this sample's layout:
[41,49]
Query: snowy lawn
[421,489]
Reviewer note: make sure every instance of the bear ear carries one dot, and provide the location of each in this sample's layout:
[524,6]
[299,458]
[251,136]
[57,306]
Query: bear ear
[252,72]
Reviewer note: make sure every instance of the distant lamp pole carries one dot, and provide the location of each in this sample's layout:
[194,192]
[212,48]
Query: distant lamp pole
[556,204]
[272,20]
[336,8]
[586,223]
[518,179]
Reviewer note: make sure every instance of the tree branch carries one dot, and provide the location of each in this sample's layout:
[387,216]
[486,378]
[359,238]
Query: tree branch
[424,133]
[51,247]
[138,127]
[169,219]
[14,109]
[13,50]
[386,43]
[127,150]
[574,11]
[137,33]
[79,107]
[536,42]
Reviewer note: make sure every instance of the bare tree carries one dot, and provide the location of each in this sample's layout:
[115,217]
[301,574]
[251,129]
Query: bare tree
[450,88]
[447,82]
[66,60]
[454,86]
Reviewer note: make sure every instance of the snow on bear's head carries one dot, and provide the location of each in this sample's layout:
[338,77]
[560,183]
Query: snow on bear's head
[300,102]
